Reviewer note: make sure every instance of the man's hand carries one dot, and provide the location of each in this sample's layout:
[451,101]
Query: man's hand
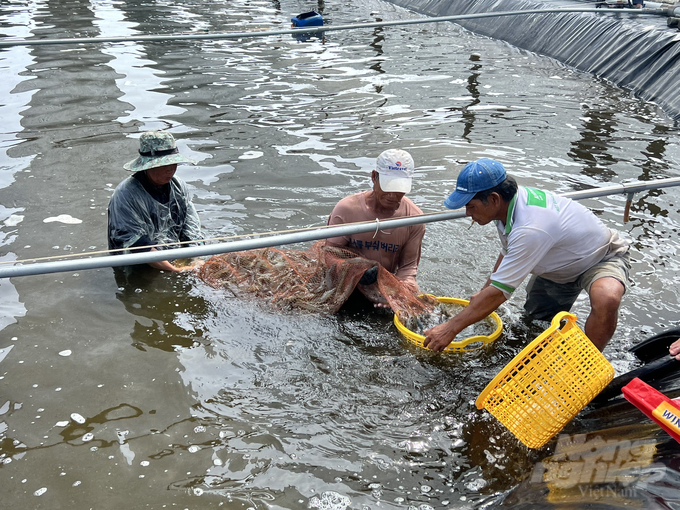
[164,265]
[481,304]
[372,292]
[675,349]
[437,338]
[194,266]
[369,277]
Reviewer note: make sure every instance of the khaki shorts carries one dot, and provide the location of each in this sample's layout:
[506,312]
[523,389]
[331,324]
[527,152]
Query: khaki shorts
[546,298]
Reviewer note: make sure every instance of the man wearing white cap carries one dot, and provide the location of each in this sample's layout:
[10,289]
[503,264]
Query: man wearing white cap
[152,208]
[397,250]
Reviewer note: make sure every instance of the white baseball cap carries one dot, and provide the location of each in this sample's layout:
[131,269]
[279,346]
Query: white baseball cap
[395,168]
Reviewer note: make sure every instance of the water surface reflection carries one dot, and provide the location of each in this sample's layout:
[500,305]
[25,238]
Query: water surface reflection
[152,390]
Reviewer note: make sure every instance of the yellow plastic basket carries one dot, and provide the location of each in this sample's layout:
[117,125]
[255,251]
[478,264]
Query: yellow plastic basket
[548,383]
[467,344]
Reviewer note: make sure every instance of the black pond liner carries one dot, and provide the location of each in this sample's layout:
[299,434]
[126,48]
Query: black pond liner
[637,53]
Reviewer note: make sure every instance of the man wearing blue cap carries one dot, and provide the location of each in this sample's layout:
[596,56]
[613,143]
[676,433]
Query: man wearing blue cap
[560,242]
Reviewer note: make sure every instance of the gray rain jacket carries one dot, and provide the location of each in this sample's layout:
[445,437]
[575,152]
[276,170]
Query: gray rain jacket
[143,215]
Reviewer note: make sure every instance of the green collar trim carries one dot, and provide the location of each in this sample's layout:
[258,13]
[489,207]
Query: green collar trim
[511,210]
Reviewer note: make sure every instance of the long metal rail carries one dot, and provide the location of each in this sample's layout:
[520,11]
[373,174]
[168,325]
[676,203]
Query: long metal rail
[7,271]
[673,11]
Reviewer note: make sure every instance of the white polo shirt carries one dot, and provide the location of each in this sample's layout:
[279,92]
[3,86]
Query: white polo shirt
[550,236]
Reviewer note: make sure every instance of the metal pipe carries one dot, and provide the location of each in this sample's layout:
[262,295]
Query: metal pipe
[213,249]
[326,28]
[292,238]
[623,188]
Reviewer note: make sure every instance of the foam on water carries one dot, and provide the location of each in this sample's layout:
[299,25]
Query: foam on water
[330,500]
[63,218]
[77,418]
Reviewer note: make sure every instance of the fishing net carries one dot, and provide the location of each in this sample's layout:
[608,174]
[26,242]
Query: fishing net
[319,279]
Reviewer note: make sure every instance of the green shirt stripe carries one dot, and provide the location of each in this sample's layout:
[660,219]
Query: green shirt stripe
[502,286]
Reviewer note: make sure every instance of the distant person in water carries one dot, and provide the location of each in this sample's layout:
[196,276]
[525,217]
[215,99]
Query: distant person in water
[398,249]
[152,209]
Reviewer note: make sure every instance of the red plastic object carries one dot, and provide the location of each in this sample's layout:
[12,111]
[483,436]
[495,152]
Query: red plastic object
[656,405]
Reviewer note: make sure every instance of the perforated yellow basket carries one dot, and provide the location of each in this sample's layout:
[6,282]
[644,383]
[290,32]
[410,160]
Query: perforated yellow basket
[467,344]
[548,383]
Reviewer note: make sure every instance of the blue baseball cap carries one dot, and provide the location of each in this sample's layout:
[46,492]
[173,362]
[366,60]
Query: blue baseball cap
[476,176]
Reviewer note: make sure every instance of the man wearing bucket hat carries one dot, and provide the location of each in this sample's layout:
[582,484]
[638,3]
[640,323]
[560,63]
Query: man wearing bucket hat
[560,242]
[397,250]
[152,208]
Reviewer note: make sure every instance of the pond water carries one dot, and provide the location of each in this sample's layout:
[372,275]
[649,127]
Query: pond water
[156,391]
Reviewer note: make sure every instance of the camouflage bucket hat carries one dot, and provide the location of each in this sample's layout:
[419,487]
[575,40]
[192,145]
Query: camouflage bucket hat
[156,148]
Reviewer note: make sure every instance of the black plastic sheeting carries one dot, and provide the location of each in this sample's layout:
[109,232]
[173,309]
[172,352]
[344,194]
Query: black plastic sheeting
[638,53]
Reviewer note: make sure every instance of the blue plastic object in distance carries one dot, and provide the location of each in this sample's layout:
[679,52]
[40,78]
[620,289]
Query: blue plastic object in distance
[307,19]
